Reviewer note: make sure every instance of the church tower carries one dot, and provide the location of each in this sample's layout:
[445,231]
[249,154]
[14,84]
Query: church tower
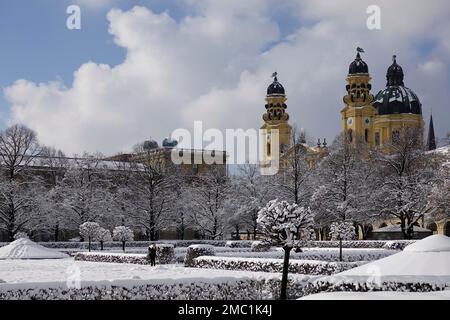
[275,117]
[358,113]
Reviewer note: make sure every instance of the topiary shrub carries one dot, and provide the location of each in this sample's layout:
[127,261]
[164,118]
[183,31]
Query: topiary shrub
[196,251]
[260,246]
[165,253]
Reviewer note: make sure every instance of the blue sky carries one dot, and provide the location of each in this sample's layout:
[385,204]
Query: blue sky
[38,46]
[240,43]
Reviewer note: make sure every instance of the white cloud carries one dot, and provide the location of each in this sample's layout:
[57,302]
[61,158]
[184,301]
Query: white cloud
[210,66]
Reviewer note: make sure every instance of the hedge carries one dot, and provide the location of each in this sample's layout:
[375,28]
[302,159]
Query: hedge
[273,265]
[165,289]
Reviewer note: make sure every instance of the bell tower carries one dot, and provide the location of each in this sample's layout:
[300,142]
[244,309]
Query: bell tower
[358,114]
[275,117]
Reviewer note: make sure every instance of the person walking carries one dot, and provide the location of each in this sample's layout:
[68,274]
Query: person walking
[151,256]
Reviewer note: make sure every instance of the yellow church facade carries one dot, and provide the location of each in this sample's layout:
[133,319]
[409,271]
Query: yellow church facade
[378,120]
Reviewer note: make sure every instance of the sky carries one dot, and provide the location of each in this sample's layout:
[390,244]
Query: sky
[141,69]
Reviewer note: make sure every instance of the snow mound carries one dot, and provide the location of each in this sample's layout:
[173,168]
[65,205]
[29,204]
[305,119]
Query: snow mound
[427,260]
[434,243]
[27,249]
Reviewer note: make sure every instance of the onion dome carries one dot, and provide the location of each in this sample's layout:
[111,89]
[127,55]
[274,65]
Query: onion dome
[358,65]
[396,98]
[275,87]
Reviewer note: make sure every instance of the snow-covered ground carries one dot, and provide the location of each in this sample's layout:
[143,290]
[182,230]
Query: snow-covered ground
[380,295]
[30,271]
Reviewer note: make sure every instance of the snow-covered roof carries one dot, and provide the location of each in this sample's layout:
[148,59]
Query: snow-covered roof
[397,228]
[27,249]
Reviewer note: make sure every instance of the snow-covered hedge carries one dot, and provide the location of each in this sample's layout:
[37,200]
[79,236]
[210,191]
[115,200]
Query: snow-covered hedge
[260,246]
[239,244]
[196,251]
[325,286]
[362,244]
[112,257]
[164,289]
[349,255]
[273,265]
[165,253]
[398,244]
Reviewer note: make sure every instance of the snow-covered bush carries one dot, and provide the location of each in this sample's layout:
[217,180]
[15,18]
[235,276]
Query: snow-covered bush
[20,235]
[397,244]
[123,234]
[198,250]
[342,231]
[260,246]
[112,257]
[350,255]
[180,289]
[165,253]
[103,235]
[88,230]
[419,286]
[360,244]
[273,265]
[239,244]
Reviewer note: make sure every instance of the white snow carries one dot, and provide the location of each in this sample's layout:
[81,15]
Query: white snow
[53,273]
[26,249]
[426,260]
[380,295]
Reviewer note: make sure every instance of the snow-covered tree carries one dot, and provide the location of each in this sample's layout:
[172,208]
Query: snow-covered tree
[149,196]
[249,192]
[345,179]
[103,235]
[123,234]
[408,174]
[439,197]
[281,224]
[207,194]
[85,193]
[19,187]
[294,183]
[342,231]
[88,231]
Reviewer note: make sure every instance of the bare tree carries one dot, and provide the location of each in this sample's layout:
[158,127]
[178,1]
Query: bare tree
[149,196]
[18,150]
[207,196]
[408,174]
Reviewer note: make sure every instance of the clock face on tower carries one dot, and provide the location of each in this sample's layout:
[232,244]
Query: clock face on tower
[349,121]
[367,121]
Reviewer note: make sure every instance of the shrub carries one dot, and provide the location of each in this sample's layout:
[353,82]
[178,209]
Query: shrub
[195,251]
[260,246]
[165,253]
[239,244]
[273,265]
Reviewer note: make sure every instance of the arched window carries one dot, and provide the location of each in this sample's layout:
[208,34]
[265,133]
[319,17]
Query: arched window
[366,135]
[350,135]
[268,149]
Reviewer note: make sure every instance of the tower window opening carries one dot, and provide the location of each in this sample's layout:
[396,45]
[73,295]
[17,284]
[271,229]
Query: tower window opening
[350,135]
[268,149]
[366,135]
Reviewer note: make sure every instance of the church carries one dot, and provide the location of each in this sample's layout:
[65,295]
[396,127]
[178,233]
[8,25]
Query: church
[376,120]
